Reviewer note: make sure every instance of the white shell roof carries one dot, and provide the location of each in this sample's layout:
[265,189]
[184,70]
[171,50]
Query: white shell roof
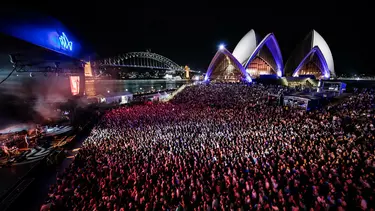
[324,48]
[245,47]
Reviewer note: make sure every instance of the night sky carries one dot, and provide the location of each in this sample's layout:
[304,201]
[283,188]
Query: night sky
[191,36]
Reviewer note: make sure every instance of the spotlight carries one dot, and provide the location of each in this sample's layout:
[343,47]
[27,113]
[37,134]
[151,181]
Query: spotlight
[221,46]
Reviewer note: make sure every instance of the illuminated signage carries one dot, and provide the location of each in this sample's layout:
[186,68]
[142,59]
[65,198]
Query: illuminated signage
[74,84]
[65,43]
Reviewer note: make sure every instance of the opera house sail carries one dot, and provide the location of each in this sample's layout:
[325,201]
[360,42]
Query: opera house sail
[245,47]
[312,57]
[259,58]
[225,68]
[252,59]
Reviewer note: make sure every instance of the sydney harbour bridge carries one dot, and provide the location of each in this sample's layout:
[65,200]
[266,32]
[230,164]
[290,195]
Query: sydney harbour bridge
[132,65]
[139,65]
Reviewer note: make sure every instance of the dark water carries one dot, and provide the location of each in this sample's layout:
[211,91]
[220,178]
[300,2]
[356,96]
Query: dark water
[134,86]
[360,84]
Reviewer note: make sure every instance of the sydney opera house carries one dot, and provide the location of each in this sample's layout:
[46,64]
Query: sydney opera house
[254,58]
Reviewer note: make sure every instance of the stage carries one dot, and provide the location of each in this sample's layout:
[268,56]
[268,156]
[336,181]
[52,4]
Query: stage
[48,130]
[17,169]
[25,145]
[15,128]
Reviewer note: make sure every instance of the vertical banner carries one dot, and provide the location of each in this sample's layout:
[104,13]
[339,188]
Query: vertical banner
[74,84]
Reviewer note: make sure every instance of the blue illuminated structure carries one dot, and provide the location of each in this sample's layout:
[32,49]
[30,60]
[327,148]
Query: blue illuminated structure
[223,51]
[315,51]
[40,30]
[271,43]
[311,57]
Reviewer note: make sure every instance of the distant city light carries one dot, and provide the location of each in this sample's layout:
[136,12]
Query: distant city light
[108,91]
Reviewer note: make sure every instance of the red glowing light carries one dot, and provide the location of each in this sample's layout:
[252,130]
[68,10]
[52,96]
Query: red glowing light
[74,84]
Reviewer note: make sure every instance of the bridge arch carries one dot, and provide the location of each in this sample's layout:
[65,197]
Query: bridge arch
[142,60]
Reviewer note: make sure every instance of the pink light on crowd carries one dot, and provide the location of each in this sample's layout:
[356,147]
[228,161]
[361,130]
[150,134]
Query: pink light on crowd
[74,84]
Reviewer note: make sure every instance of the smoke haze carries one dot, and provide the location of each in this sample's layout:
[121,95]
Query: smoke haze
[25,99]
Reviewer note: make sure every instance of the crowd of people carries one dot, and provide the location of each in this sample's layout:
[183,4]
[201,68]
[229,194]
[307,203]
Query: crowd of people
[225,147]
